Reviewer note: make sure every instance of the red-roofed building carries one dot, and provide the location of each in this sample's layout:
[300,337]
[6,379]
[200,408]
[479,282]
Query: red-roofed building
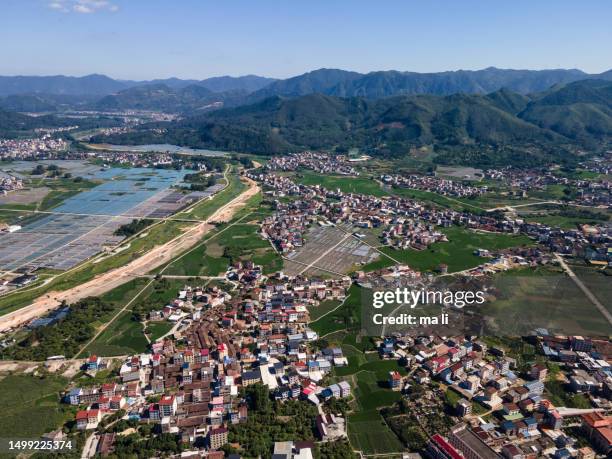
[395,380]
[167,405]
[599,430]
[88,419]
[439,448]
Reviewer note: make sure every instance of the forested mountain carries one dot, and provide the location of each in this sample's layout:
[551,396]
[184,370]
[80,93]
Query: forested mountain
[159,97]
[581,111]
[174,94]
[381,84]
[558,117]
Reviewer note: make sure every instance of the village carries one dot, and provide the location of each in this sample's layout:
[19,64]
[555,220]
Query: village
[195,380]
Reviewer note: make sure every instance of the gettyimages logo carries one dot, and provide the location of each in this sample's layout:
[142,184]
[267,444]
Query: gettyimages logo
[416,311]
[413,298]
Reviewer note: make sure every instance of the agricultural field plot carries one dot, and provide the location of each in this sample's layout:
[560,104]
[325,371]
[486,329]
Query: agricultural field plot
[332,250]
[124,336]
[241,241]
[525,301]
[346,317]
[457,253]
[85,223]
[346,184]
[25,196]
[158,329]
[597,282]
[31,405]
[565,218]
[367,374]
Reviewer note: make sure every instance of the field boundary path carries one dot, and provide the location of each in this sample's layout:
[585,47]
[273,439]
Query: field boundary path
[584,289]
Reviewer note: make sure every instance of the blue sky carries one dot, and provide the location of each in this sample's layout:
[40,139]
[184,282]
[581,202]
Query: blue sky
[144,39]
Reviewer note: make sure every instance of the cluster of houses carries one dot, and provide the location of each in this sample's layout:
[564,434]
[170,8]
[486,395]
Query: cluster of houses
[257,336]
[506,411]
[318,162]
[591,193]
[10,183]
[43,147]
[445,187]
[408,223]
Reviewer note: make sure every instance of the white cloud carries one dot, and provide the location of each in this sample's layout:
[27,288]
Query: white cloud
[83,6]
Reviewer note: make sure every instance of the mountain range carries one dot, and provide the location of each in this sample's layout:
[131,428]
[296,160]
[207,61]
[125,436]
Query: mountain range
[100,85]
[570,115]
[28,93]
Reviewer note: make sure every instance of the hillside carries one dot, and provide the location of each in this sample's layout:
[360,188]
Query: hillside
[161,97]
[548,122]
[580,111]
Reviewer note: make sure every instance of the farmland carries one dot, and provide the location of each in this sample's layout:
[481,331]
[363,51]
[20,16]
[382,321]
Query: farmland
[368,376]
[457,253]
[345,184]
[31,405]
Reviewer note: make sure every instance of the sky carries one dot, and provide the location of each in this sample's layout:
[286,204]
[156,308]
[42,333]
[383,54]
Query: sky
[146,39]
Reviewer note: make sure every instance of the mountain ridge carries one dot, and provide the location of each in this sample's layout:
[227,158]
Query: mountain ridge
[335,82]
[580,116]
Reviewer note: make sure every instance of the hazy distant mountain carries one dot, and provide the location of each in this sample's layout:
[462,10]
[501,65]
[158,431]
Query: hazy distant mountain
[575,114]
[90,84]
[103,85]
[247,83]
[45,102]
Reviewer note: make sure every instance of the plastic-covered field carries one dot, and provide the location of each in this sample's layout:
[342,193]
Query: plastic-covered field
[84,224]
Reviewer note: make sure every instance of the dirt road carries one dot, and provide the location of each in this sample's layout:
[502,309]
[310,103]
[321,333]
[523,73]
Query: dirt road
[157,256]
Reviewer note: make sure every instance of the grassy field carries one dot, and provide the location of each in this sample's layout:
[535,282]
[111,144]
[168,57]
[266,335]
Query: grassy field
[457,253]
[434,198]
[557,218]
[598,282]
[31,405]
[368,432]
[158,329]
[368,375]
[206,208]
[241,241]
[347,317]
[323,308]
[123,336]
[345,184]
[126,335]
[525,301]
[238,239]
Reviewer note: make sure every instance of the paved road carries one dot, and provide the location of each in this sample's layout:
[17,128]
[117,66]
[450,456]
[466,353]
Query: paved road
[91,444]
[585,289]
